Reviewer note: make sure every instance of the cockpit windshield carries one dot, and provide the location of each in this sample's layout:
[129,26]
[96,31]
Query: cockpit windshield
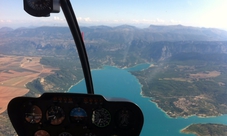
[167,57]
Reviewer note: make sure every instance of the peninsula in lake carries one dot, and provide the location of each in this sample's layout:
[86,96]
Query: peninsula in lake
[206,130]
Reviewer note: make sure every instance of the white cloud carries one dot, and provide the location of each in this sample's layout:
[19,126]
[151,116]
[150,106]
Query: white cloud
[5,21]
[8,21]
[156,21]
[116,21]
[135,21]
[160,21]
[86,19]
[56,18]
[172,21]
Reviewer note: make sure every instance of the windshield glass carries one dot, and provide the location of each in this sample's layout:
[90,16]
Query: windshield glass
[168,57]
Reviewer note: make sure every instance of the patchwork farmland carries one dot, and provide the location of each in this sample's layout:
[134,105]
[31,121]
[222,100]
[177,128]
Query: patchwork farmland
[15,73]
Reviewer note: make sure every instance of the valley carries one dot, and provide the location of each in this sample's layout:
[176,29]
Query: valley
[187,77]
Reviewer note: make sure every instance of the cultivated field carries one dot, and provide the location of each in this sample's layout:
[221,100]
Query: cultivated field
[15,73]
[201,75]
[208,74]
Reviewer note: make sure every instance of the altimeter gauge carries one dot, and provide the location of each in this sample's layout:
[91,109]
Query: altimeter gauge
[101,117]
[55,115]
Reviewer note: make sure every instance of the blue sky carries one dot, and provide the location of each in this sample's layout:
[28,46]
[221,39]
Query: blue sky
[140,13]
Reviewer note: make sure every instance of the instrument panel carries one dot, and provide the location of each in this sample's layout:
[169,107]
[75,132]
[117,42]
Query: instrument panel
[71,114]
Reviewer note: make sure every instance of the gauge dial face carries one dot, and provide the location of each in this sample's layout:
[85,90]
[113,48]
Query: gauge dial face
[78,115]
[41,133]
[55,115]
[39,4]
[33,114]
[101,117]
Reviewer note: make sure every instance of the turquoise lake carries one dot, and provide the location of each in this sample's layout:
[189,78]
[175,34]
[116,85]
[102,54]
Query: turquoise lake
[114,82]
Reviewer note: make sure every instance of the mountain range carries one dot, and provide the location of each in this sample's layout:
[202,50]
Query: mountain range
[152,43]
[125,33]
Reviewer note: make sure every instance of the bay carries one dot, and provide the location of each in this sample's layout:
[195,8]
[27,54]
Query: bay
[114,82]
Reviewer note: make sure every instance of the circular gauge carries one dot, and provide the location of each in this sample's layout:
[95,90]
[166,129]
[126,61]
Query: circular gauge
[78,115]
[55,115]
[101,117]
[124,118]
[39,4]
[33,114]
[65,134]
[41,133]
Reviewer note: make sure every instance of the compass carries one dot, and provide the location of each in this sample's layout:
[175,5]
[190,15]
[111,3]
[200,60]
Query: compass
[41,8]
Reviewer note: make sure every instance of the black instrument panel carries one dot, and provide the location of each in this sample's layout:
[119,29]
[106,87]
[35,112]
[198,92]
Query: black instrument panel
[70,114]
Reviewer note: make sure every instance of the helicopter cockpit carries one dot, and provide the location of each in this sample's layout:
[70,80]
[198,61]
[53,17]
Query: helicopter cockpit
[72,114]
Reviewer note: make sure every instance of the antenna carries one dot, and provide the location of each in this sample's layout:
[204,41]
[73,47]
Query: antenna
[82,33]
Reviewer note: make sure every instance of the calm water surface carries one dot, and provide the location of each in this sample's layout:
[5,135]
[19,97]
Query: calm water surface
[115,82]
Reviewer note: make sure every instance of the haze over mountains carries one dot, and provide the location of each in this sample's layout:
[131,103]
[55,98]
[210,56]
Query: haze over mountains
[152,33]
[152,43]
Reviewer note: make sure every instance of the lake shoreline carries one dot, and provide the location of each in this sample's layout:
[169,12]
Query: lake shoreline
[141,92]
[152,113]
